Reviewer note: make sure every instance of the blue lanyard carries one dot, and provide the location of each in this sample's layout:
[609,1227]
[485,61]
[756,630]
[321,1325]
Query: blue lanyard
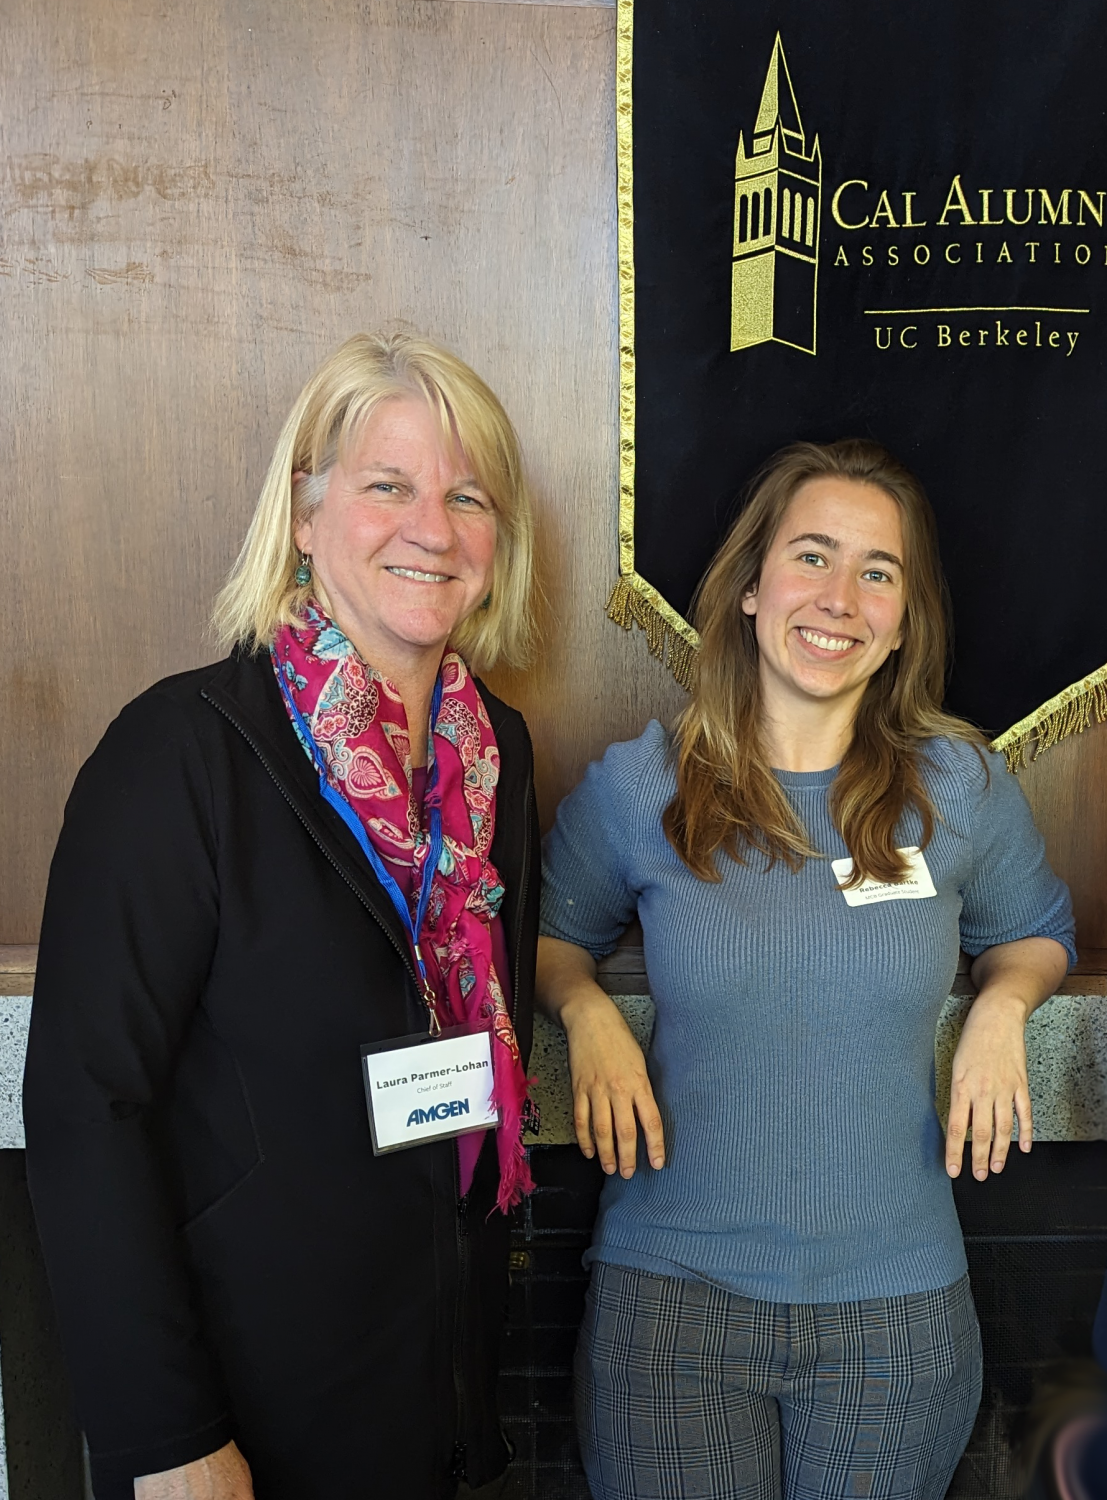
[336,800]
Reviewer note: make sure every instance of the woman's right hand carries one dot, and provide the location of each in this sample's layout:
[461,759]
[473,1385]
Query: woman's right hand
[223,1475]
[612,1093]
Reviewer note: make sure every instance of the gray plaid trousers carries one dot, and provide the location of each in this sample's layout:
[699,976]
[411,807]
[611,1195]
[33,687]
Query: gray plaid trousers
[689,1392]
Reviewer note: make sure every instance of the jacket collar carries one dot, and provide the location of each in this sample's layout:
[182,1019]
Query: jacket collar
[244,689]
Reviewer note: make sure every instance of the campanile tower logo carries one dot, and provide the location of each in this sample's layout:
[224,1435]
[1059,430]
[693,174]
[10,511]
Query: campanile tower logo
[777,205]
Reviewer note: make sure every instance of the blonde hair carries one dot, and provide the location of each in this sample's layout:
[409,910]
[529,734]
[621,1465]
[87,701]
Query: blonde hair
[727,796]
[261,594]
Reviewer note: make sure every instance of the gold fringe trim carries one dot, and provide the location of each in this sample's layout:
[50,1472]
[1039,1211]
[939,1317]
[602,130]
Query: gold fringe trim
[1071,711]
[668,637]
[633,600]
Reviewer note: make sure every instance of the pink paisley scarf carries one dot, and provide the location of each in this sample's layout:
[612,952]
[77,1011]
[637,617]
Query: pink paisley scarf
[359,724]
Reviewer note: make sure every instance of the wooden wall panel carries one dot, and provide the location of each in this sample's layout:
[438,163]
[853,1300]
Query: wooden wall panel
[607,4]
[197,203]
[1067,788]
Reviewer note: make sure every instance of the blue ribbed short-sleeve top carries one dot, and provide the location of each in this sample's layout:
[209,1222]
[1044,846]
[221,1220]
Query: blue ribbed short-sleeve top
[793,1051]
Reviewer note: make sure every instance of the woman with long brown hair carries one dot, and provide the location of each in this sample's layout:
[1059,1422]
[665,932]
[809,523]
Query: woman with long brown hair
[785,1308]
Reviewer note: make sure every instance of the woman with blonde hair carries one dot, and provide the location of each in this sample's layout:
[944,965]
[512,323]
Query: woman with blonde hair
[784,1308]
[289,931]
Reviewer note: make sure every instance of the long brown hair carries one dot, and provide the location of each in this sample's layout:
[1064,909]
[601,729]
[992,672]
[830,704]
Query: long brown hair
[727,797]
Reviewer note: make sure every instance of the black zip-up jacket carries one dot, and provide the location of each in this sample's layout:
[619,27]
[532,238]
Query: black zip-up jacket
[227,1256]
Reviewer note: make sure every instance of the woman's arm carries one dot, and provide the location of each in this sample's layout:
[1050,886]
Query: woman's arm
[128,934]
[224,1475]
[612,1094]
[989,1066]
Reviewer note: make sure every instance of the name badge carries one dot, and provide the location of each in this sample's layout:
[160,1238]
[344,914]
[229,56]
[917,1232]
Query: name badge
[421,1089]
[915,885]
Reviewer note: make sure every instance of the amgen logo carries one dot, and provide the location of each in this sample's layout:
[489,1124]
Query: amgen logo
[441,1111]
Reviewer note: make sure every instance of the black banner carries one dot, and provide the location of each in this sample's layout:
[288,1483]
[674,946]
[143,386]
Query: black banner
[859,219]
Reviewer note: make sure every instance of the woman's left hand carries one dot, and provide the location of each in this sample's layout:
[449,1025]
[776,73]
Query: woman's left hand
[988,1078]
[988,1084]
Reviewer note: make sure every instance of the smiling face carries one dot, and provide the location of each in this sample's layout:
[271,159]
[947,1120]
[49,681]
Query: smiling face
[829,604]
[404,539]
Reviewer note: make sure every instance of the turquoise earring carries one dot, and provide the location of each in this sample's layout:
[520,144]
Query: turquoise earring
[303,572]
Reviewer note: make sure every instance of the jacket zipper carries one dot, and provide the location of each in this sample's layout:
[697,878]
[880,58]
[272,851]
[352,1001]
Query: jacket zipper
[404,957]
[524,880]
[461,1236]
[461,1232]
[461,1228]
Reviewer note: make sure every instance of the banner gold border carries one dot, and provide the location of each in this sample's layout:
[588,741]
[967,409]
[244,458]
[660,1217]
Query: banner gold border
[635,601]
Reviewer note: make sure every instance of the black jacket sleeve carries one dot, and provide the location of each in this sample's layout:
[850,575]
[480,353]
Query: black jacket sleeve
[127,940]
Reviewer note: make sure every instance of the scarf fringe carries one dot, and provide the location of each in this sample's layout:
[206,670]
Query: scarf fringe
[510,1085]
[1071,711]
[515,1179]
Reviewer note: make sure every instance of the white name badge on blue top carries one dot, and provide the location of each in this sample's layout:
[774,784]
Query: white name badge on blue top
[913,887]
[422,1090]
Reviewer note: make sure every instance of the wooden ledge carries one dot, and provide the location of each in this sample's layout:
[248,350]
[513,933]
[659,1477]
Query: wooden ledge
[624,973]
[621,973]
[17,968]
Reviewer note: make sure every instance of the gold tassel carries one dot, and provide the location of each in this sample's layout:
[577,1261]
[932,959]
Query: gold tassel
[1071,711]
[629,606]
